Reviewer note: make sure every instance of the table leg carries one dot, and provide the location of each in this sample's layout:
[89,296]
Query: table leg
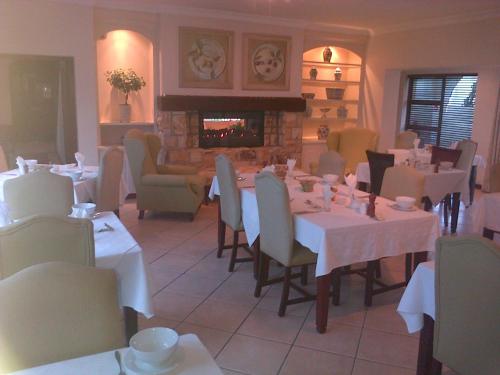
[472,182]
[221,232]
[488,233]
[131,322]
[256,257]
[427,204]
[426,364]
[323,284]
[418,258]
[455,208]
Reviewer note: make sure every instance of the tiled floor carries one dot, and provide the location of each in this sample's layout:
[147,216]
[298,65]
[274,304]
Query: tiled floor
[195,293]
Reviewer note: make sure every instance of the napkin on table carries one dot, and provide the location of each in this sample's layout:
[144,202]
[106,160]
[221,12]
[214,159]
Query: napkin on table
[21,164]
[80,159]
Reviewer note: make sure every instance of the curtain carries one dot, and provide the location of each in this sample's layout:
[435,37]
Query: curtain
[494,156]
[61,150]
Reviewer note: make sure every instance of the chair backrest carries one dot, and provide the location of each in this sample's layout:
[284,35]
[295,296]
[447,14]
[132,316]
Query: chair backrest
[331,162]
[40,192]
[445,154]
[275,217]
[405,139]
[230,202]
[108,181]
[352,144]
[4,165]
[153,143]
[378,163]
[467,321]
[466,158]
[138,155]
[403,181]
[495,178]
[42,238]
[56,311]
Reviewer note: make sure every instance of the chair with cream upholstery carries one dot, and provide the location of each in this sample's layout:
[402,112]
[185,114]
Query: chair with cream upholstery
[466,158]
[4,165]
[44,238]
[277,240]
[351,144]
[56,311]
[109,179]
[40,192]
[170,188]
[404,140]
[466,333]
[230,210]
[331,162]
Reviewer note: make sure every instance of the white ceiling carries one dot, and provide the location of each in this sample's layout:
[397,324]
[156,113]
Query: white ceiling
[373,15]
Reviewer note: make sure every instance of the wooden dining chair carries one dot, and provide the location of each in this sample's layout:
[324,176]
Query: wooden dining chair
[378,163]
[277,240]
[404,140]
[109,179]
[56,311]
[467,319]
[45,238]
[40,192]
[230,211]
[331,162]
[445,154]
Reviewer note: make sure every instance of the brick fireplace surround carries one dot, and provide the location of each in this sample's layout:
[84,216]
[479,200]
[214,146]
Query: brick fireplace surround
[179,121]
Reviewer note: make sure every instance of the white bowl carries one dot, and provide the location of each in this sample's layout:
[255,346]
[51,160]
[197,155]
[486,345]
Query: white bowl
[446,165]
[154,345]
[83,210]
[405,202]
[330,179]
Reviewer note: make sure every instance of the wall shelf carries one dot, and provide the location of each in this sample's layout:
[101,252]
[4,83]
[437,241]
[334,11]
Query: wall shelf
[139,123]
[327,102]
[329,65]
[327,83]
[331,120]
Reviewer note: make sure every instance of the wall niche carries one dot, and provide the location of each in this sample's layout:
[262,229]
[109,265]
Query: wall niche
[125,49]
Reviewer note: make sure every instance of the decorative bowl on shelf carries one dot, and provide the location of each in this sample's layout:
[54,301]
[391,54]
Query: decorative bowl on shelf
[334,93]
[308,95]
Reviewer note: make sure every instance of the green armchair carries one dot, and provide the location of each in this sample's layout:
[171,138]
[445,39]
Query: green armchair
[170,188]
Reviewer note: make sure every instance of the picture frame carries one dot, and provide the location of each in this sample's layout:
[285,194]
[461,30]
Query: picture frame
[205,58]
[266,62]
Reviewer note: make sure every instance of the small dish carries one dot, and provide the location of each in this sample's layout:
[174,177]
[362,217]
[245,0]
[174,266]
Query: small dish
[135,366]
[398,208]
[405,202]
[154,345]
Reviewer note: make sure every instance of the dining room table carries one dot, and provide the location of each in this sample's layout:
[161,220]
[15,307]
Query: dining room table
[341,236]
[116,249]
[190,358]
[483,216]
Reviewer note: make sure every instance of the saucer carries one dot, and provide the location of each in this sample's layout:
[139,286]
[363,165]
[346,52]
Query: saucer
[142,368]
[396,207]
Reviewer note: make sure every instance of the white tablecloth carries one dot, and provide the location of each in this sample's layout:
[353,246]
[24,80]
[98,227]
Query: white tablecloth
[484,212]
[192,356]
[437,185]
[127,182]
[342,236]
[85,189]
[419,297]
[119,251]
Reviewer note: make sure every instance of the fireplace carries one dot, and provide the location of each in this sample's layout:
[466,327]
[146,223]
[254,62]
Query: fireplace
[231,129]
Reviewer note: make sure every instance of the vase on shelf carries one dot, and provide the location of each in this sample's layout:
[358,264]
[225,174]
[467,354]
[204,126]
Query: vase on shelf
[342,112]
[338,74]
[313,73]
[125,112]
[327,54]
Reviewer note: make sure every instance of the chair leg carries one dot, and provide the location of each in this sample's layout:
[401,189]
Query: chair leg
[446,205]
[285,292]
[117,212]
[408,266]
[256,258]
[234,251]
[378,269]
[141,214]
[336,282]
[260,275]
[304,274]
[221,237]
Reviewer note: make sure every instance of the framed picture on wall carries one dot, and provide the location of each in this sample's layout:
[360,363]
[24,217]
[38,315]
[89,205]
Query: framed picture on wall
[266,62]
[205,58]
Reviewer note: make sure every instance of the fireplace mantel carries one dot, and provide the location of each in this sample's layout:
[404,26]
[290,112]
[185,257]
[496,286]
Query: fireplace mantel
[229,103]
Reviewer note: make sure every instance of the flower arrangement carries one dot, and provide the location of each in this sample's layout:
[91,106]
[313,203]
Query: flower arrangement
[125,81]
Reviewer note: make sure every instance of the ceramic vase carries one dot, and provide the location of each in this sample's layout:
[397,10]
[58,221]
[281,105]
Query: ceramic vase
[125,112]
[313,73]
[323,131]
[338,74]
[342,112]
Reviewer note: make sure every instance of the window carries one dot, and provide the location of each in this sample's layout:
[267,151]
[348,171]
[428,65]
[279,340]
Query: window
[441,107]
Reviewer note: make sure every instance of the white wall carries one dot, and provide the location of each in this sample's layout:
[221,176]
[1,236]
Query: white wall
[462,48]
[46,28]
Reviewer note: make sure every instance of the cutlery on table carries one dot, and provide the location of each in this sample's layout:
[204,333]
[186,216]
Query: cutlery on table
[107,228]
[118,357]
